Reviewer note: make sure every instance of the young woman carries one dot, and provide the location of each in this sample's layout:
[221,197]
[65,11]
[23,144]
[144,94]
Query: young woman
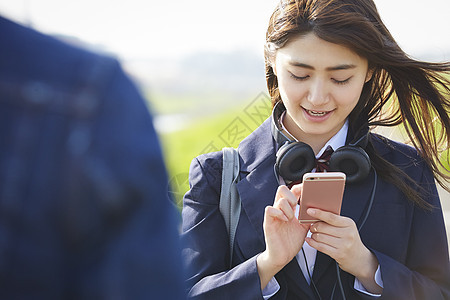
[333,71]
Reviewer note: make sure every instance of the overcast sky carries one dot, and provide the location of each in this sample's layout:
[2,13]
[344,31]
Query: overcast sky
[149,28]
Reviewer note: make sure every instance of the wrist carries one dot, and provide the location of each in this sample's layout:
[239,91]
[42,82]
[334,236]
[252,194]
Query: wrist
[266,268]
[367,270]
[367,274]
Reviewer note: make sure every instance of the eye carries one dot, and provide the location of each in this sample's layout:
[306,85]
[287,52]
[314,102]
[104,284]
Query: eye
[341,81]
[299,78]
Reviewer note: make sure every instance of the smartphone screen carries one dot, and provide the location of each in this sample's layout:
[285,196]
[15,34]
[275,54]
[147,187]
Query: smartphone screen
[323,191]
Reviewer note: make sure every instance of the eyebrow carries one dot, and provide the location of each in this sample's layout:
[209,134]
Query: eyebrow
[335,68]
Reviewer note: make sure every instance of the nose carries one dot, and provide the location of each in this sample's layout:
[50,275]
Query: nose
[317,94]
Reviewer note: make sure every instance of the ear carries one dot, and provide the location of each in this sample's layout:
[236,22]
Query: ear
[369,75]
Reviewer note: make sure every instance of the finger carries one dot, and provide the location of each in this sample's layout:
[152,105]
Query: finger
[297,190]
[326,239]
[275,213]
[322,227]
[324,248]
[284,192]
[337,248]
[284,205]
[330,218]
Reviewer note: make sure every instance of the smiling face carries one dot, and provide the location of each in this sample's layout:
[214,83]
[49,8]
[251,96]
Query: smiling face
[319,83]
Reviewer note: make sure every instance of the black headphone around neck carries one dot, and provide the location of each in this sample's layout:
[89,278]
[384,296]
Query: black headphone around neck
[294,159]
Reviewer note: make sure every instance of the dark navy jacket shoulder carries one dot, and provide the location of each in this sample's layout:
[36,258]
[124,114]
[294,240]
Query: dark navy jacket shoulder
[409,242]
[84,210]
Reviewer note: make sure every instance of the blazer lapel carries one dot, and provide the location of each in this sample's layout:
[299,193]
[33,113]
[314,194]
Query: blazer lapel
[297,282]
[257,189]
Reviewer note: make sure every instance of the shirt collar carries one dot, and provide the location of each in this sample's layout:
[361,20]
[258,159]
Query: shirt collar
[337,141]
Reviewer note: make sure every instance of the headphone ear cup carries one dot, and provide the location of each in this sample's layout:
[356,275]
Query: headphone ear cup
[351,160]
[294,160]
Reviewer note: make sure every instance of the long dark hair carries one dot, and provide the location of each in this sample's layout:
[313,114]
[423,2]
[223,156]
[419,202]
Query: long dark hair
[401,91]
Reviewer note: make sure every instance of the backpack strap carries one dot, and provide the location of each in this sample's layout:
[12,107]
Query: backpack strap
[230,202]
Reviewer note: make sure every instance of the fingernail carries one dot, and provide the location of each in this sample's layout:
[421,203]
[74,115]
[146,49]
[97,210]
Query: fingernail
[311,211]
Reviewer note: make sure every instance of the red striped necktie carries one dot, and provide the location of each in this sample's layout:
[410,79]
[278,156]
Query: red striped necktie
[323,162]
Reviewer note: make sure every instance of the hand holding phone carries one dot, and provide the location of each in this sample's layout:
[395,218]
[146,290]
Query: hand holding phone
[323,191]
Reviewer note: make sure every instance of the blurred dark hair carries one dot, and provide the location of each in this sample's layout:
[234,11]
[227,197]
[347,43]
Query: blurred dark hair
[401,90]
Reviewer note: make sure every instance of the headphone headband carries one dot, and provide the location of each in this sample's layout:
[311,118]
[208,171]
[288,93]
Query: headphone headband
[280,135]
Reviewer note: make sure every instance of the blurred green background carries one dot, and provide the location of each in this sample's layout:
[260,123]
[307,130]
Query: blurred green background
[224,128]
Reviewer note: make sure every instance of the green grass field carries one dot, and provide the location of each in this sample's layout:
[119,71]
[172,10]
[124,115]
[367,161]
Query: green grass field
[212,133]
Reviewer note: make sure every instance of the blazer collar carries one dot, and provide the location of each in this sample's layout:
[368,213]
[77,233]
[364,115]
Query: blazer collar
[257,147]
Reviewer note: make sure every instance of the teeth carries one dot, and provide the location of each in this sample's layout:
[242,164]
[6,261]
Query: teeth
[317,113]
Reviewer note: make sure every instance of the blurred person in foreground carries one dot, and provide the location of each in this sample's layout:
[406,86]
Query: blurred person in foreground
[84,210]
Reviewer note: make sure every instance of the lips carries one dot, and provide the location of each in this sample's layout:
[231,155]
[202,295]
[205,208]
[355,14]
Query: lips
[317,116]
[315,113]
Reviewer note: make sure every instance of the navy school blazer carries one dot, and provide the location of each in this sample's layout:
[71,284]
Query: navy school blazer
[409,242]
